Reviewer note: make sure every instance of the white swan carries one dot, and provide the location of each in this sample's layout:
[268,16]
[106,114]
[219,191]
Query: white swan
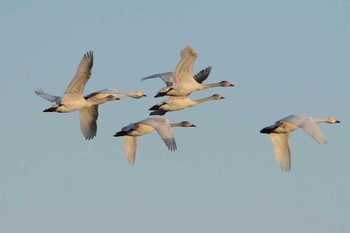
[279,135]
[94,95]
[162,126]
[183,81]
[74,100]
[175,103]
[168,77]
[89,115]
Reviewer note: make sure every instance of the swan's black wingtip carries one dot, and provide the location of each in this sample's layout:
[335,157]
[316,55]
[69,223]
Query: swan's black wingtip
[159,95]
[119,134]
[49,110]
[265,131]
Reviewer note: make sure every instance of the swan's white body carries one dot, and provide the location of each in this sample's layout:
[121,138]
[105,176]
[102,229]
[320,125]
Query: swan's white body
[73,98]
[162,126]
[279,135]
[183,82]
[175,103]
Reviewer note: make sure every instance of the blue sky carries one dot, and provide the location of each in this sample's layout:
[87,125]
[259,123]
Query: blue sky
[284,57]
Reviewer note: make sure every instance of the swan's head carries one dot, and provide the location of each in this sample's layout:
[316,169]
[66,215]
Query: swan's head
[136,94]
[188,51]
[226,84]
[333,120]
[186,124]
[217,97]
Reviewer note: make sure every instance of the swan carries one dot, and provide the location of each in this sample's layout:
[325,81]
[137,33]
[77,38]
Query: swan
[279,135]
[175,103]
[162,126]
[89,115]
[183,81]
[168,77]
[94,95]
[73,98]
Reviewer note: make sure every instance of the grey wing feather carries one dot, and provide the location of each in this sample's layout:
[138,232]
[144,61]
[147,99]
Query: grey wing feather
[164,130]
[88,121]
[40,92]
[281,150]
[82,75]
[202,75]
[307,124]
[130,146]
[103,93]
[167,77]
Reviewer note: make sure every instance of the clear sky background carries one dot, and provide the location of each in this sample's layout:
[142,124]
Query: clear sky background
[283,56]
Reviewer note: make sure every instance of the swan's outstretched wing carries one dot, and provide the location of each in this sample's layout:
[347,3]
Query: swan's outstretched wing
[281,150]
[167,77]
[82,75]
[164,130]
[88,117]
[202,75]
[103,93]
[130,146]
[52,98]
[307,124]
[184,69]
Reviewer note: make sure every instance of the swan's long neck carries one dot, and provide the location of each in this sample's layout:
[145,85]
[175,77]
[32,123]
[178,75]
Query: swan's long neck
[199,101]
[322,120]
[176,125]
[210,85]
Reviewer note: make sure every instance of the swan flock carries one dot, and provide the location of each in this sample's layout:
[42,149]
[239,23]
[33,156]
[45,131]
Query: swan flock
[180,83]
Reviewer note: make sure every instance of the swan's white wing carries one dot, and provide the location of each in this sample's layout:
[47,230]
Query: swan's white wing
[281,150]
[40,92]
[82,75]
[167,77]
[202,75]
[307,124]
[184,69]
[164,130]
[88,117]
[103,93]
[130,146]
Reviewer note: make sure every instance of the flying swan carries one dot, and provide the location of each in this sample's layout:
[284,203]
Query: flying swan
[279,135]
[176,103]
[162,126]
[73,98]
[182,82]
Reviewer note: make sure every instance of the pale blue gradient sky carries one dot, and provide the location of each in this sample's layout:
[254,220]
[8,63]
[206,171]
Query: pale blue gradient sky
[283,56]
